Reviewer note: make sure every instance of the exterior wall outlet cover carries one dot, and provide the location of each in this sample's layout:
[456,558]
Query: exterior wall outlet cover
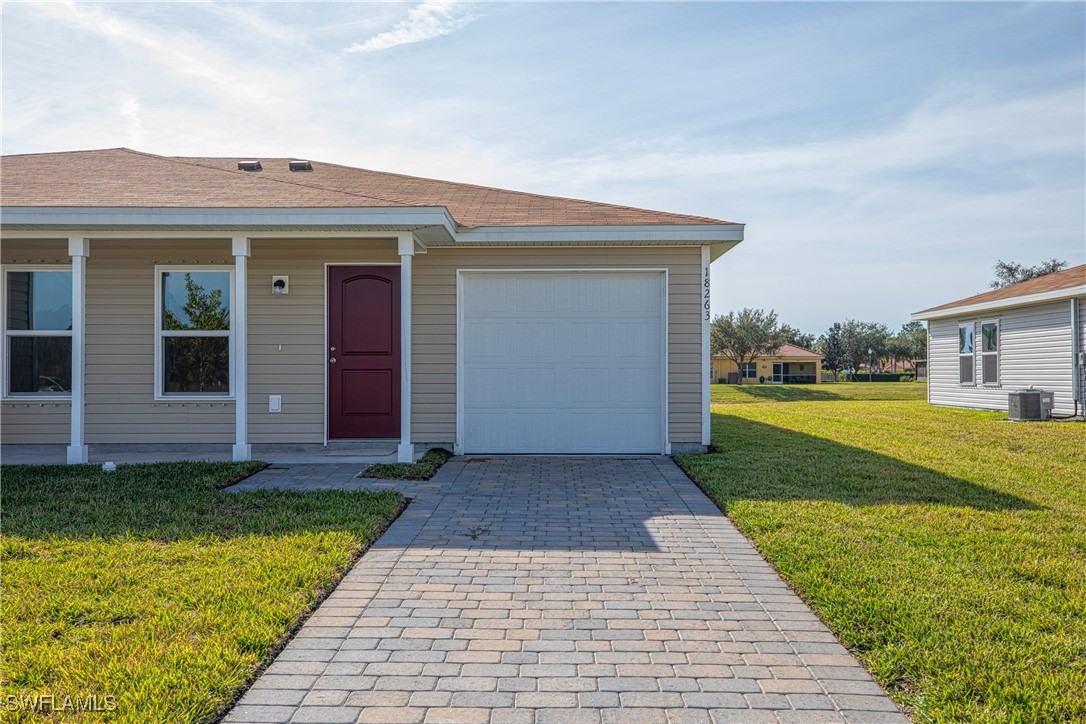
[275,403]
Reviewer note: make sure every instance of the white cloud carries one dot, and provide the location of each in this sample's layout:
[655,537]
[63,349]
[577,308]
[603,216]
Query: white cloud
[128,109]
[180,54]
[431,19]
[252,19]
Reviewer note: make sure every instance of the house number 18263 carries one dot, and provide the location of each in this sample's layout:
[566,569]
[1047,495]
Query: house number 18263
[705,294]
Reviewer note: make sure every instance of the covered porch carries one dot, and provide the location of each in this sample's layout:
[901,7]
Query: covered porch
[240,365]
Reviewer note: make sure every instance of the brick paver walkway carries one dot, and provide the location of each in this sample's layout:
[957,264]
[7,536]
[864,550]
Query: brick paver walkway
[546,589]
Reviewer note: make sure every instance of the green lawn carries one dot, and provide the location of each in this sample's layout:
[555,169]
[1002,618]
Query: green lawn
[946,547]
[153,587]
[422,469]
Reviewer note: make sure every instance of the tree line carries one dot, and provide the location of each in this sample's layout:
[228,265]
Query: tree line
[752,333]
[748,334]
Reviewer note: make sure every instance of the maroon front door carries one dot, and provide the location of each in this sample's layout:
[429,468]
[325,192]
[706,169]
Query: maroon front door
[364,351]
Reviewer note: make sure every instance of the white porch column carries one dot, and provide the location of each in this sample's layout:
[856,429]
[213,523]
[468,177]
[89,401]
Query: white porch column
[79,250]
[405,452]
[706,353]
[239,319]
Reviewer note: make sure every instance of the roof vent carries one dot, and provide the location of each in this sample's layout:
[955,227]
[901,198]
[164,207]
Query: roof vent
[249,166]
[301,166]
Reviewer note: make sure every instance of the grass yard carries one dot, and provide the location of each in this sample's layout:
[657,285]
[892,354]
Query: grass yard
[154,588]
[424,468]
[946,547]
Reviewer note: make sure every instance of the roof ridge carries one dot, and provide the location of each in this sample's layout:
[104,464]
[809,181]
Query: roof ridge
[60,153]
[190,161]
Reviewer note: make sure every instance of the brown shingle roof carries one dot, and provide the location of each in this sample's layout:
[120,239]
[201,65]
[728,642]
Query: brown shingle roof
[1073,277]
[121,177]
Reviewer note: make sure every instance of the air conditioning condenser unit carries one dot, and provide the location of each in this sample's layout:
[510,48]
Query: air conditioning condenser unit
[1030,404]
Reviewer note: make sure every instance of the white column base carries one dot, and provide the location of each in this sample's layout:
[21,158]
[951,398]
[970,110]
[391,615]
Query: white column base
[242,453]
[405,453]
[78,454]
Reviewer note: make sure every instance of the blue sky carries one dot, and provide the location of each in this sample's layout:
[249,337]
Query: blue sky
[882,155]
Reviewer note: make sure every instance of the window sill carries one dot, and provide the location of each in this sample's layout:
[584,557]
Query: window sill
[195,398]
[37,398]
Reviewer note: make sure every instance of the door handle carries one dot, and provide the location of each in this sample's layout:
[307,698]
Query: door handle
[332,361]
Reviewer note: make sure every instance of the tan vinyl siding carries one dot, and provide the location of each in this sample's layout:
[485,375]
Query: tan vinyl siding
[434,325]
[120,337]
[296,321]
[120,396]
[34,420]
[1034,349]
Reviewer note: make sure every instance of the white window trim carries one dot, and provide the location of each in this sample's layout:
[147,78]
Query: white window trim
[160,395]
[983,354]
[8,394]
[743,372]
[973,355]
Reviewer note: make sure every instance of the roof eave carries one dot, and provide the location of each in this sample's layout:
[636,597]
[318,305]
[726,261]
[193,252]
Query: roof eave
[1024,300]
[434,225]
[692,234]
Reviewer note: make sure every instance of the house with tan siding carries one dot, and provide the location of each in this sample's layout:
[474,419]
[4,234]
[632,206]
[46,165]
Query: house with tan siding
[250,304]
[791,364]
[1030,334]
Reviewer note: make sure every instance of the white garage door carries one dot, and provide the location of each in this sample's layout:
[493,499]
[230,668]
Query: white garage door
[562,362]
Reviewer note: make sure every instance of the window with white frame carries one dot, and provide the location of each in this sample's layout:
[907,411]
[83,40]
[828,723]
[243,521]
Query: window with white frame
[750,370]
[38,331]
[966,362]
[989,352]
[194,338]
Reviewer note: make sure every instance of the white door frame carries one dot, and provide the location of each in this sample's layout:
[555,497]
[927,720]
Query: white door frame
[665,445]
[777,377]
[324,349]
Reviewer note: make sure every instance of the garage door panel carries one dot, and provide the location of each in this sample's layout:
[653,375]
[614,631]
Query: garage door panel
[535,294]
[590,385]
[562,362]
[531,339]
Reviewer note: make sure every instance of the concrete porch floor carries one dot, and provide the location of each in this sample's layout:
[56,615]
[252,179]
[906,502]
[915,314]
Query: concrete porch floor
[55,455]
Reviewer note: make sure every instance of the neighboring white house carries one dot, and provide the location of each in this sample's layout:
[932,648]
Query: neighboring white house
[983,347]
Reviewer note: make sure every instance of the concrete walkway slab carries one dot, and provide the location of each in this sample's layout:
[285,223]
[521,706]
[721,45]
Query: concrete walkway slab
[561,589]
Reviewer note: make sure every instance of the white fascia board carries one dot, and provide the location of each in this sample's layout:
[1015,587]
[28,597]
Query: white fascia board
[239,219]
[694,234]
[1023,301]
[433,225]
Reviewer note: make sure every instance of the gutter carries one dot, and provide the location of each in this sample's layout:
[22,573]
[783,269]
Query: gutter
[433,225]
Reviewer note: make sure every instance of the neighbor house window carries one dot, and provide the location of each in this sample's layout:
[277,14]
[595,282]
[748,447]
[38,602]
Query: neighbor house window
[750,371]
[194,339]
[966,363]
[38,331]
[989,353]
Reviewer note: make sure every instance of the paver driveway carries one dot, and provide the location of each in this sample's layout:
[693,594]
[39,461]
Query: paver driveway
[562,589]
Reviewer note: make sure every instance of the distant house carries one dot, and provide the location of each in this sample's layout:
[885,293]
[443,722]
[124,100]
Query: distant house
[983,347]
[791,365]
